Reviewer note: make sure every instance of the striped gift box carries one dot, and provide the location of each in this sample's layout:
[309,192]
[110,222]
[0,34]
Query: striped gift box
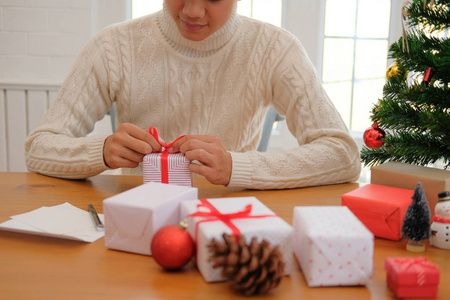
[177,169]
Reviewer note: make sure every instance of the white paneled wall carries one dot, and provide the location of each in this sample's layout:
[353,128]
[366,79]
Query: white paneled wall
[39,42]
[22,108]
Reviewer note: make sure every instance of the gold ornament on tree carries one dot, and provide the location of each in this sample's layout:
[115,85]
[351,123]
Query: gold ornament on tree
[254,268]
[394,70]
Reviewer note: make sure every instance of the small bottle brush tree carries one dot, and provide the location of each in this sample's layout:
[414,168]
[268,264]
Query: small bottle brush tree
[416,225]
[415,108]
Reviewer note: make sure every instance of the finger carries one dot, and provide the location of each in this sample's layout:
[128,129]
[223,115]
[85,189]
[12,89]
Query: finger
[210,174]
[130,155]
[176,147]
[145,136]
[192,142]
[117,155]
[137,139]
[119,162]
[125,140]
[200,155]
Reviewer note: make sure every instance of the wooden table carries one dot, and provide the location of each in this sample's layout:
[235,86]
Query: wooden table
[36,267]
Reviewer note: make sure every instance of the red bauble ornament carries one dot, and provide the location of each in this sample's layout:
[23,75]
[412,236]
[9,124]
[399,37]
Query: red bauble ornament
[172,247]
[373,136]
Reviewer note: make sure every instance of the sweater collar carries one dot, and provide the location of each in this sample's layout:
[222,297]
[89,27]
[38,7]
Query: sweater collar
[210,45]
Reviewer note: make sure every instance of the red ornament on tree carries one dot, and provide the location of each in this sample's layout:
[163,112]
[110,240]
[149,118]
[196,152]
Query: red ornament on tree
[172,247]
[427,76]
[373,136]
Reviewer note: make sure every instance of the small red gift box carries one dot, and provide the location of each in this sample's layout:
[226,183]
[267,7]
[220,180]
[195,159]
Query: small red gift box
[410,277]
[380,208]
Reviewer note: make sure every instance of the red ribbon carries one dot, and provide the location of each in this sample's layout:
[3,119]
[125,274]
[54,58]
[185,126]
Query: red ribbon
[419,265]
[164,154]
[215,215]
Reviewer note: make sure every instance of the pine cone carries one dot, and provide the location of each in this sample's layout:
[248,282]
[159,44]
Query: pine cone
[253,269]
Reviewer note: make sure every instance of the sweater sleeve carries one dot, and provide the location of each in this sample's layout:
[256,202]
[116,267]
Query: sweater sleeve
[61,146]
[326,154]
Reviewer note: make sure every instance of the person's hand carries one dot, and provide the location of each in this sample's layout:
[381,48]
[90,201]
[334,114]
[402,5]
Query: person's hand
[214,160]
[126,147]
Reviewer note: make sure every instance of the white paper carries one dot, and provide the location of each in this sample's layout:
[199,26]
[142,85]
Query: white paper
[61,221]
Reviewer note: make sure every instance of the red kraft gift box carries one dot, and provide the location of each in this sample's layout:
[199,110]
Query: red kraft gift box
[380,208]
[410,277]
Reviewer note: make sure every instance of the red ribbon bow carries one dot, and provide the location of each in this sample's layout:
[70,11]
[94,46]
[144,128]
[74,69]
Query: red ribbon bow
[215,215]
[164,154]
[419,265]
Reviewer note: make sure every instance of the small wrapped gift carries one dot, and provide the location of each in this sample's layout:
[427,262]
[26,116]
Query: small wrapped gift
[332,246]
[381,208]
[410,277]
[209,218]
[406,176]
[164,167]
[134,216]
[167,168]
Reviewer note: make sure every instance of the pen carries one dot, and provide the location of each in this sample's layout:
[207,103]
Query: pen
[98,223]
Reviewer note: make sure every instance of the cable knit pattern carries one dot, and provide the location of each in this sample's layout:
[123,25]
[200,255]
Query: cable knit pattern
[222,86]
[252,85]
[126,43]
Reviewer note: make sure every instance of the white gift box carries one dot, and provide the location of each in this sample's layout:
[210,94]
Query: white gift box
[134,216]
[260,222]
[332,246]
[175,168]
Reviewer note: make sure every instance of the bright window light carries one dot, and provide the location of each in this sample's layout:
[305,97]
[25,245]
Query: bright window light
[355,52]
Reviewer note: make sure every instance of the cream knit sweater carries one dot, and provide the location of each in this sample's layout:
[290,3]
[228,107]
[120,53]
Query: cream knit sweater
[221,86]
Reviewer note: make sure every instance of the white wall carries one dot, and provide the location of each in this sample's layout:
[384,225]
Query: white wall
[39,42]
[304,19]
[40,39]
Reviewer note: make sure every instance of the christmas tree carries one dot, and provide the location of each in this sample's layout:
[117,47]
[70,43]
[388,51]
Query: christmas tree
[416,225]
[412,120]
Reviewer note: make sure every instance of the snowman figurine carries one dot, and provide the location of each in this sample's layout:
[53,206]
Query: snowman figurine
[440,228]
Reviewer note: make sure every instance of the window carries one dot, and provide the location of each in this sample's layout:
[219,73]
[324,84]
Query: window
[355,50]
[141,8]
[269,11]
[265,10]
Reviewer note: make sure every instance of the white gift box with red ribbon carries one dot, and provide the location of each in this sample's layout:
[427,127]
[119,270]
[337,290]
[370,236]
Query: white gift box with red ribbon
[208,219]
[332,246]
[167,168]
